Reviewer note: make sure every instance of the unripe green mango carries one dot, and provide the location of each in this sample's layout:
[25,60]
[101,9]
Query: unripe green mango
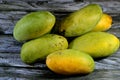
[39,48]
[96,44]
[33,25]
[81,21]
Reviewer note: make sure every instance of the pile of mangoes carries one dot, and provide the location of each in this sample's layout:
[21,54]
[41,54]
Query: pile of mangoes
[86,26]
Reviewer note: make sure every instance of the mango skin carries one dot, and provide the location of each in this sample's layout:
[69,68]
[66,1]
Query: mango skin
[33,25]
[104,24]
[70,62]
[39,48]
[81,21]
[96,44]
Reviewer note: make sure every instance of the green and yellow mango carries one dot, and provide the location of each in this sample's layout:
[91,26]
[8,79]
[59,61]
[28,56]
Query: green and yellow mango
[33,25]
[81,21]
[96,44]
[39,48]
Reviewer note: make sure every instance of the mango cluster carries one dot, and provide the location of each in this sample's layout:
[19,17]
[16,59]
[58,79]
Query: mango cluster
[85,26]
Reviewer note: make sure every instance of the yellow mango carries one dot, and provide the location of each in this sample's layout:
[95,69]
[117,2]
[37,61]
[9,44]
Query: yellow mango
[70,62]
[104,23]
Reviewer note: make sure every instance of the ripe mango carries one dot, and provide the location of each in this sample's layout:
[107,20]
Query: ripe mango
[104,23]
[81,21]
[33,25]
[39,48]
[70,62]
[96,44]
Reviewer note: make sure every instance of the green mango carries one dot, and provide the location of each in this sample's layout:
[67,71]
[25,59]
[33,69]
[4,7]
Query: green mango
[96,44]
[39,48]
[81,21]
[33,25]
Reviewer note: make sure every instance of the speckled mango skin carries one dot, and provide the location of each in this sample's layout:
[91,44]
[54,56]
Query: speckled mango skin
[33,25]
[96,44]
[81,21]
[70,62]
[39,48]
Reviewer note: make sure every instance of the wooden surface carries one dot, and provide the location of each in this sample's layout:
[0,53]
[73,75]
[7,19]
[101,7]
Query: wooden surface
[11,66]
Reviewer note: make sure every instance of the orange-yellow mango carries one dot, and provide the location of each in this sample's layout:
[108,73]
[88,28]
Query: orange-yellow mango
[70,62]
[104,24]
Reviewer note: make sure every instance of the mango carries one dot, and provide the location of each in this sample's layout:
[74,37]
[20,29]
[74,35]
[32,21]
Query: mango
[33,25]
[70,62]
[96,44]
[38,49]
[104,24]
[81,21]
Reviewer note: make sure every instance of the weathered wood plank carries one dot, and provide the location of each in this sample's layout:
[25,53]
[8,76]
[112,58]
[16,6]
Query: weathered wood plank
[61,1]
[8,20]
[44,5]
[108,6]
[99,0]
[6,26]
[9,44]
[115,29]
[37,74]
[12,15]
[111,62]
[13,60]
[3,1]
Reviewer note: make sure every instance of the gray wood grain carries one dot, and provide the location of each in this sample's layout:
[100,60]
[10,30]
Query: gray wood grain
[44,74]
[9,44]
[108,6]
[13,60]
